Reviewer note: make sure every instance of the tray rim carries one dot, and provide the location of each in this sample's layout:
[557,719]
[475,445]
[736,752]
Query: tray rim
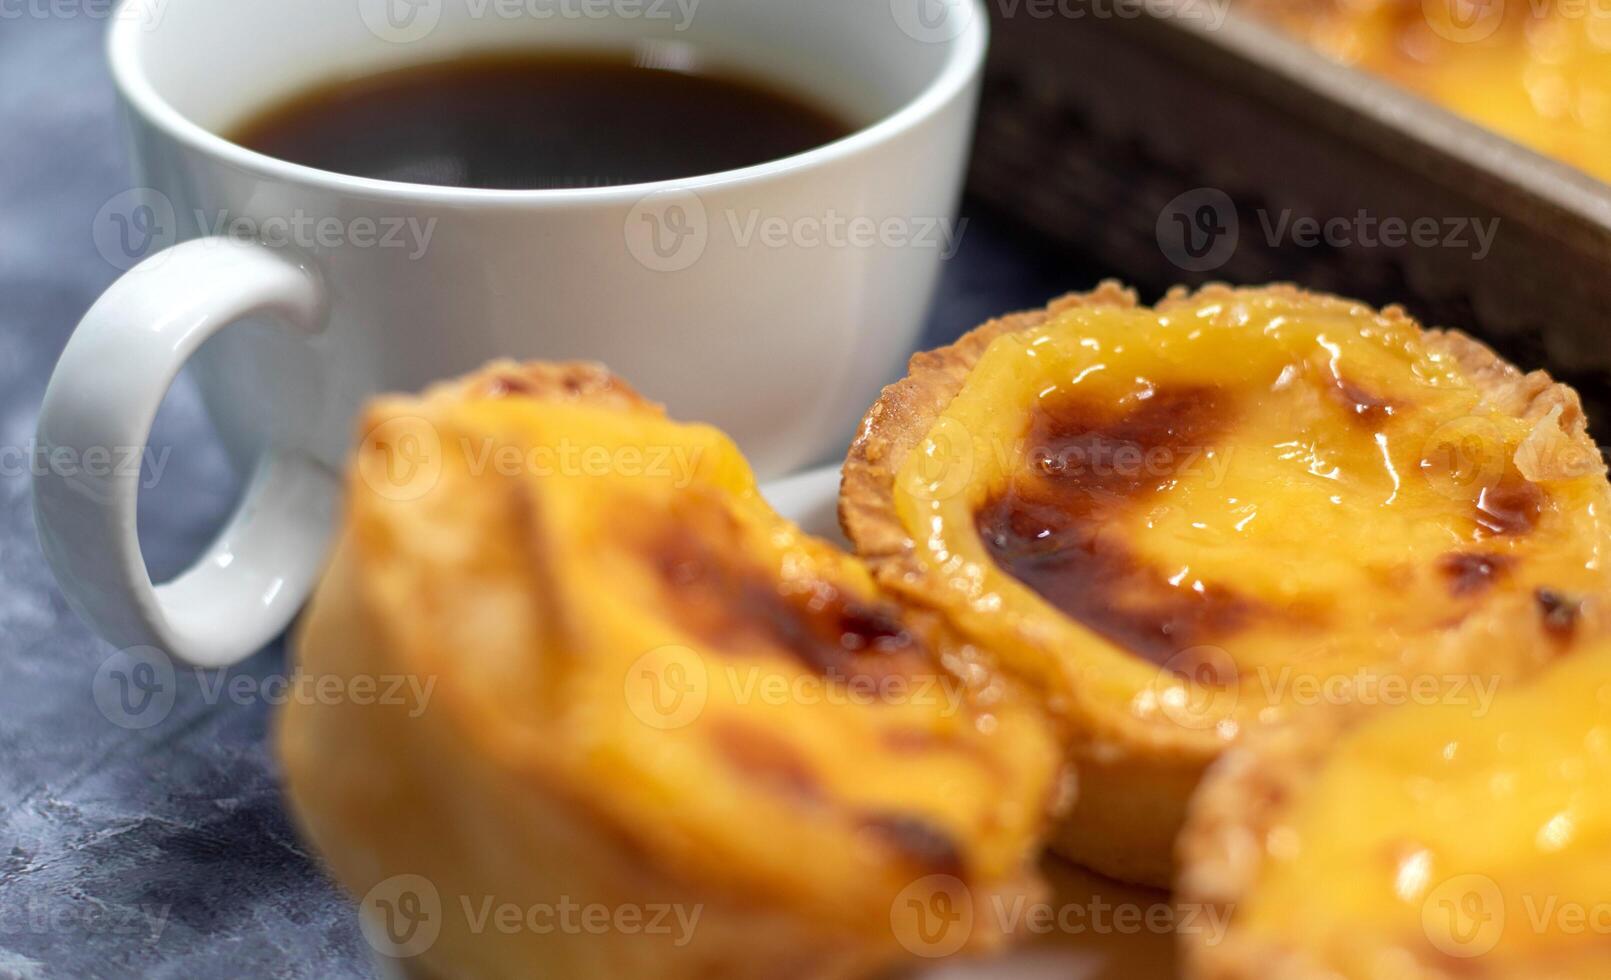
[1263,63]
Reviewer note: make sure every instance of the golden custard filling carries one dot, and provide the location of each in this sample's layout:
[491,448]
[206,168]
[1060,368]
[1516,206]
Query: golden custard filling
[610,606]
[1538,72]
[1186,515]
[1446,839]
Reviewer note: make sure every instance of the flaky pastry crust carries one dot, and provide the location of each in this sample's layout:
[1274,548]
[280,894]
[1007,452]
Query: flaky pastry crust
[1220,849]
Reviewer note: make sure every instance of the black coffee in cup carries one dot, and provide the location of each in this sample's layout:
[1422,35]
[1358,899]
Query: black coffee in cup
[540,120]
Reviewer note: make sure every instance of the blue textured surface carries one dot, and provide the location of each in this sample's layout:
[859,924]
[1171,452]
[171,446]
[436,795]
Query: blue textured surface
[165,851]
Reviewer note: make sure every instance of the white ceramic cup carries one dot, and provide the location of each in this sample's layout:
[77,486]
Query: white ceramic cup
[771,300]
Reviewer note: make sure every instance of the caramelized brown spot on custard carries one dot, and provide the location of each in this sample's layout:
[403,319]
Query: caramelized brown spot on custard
[1088,465]
[1560,612]
[920,843]
[1469,574]
[763,757]
[1361,404]
[1510,507]
[717,594]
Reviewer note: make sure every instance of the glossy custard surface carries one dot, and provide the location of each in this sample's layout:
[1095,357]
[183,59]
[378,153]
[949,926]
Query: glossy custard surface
[1454,842]
[608,603]
[1538,72]
[1208,506]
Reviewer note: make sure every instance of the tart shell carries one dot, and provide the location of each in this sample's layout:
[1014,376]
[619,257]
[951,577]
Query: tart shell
[1135,782]
[515,788]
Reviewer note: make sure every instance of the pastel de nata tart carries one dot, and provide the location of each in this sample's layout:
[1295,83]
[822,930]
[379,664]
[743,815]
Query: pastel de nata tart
[1426,842]
[652,701]
[1538,72]
[1184,521]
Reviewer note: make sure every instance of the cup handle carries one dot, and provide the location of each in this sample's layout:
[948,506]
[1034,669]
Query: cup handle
[102,399]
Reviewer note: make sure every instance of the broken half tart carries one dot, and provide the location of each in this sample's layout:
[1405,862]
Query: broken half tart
[1465,839]
[641,696]
[1183,521]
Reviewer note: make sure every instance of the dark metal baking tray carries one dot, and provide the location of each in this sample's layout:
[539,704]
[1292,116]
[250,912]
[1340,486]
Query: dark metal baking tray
[1102,121]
